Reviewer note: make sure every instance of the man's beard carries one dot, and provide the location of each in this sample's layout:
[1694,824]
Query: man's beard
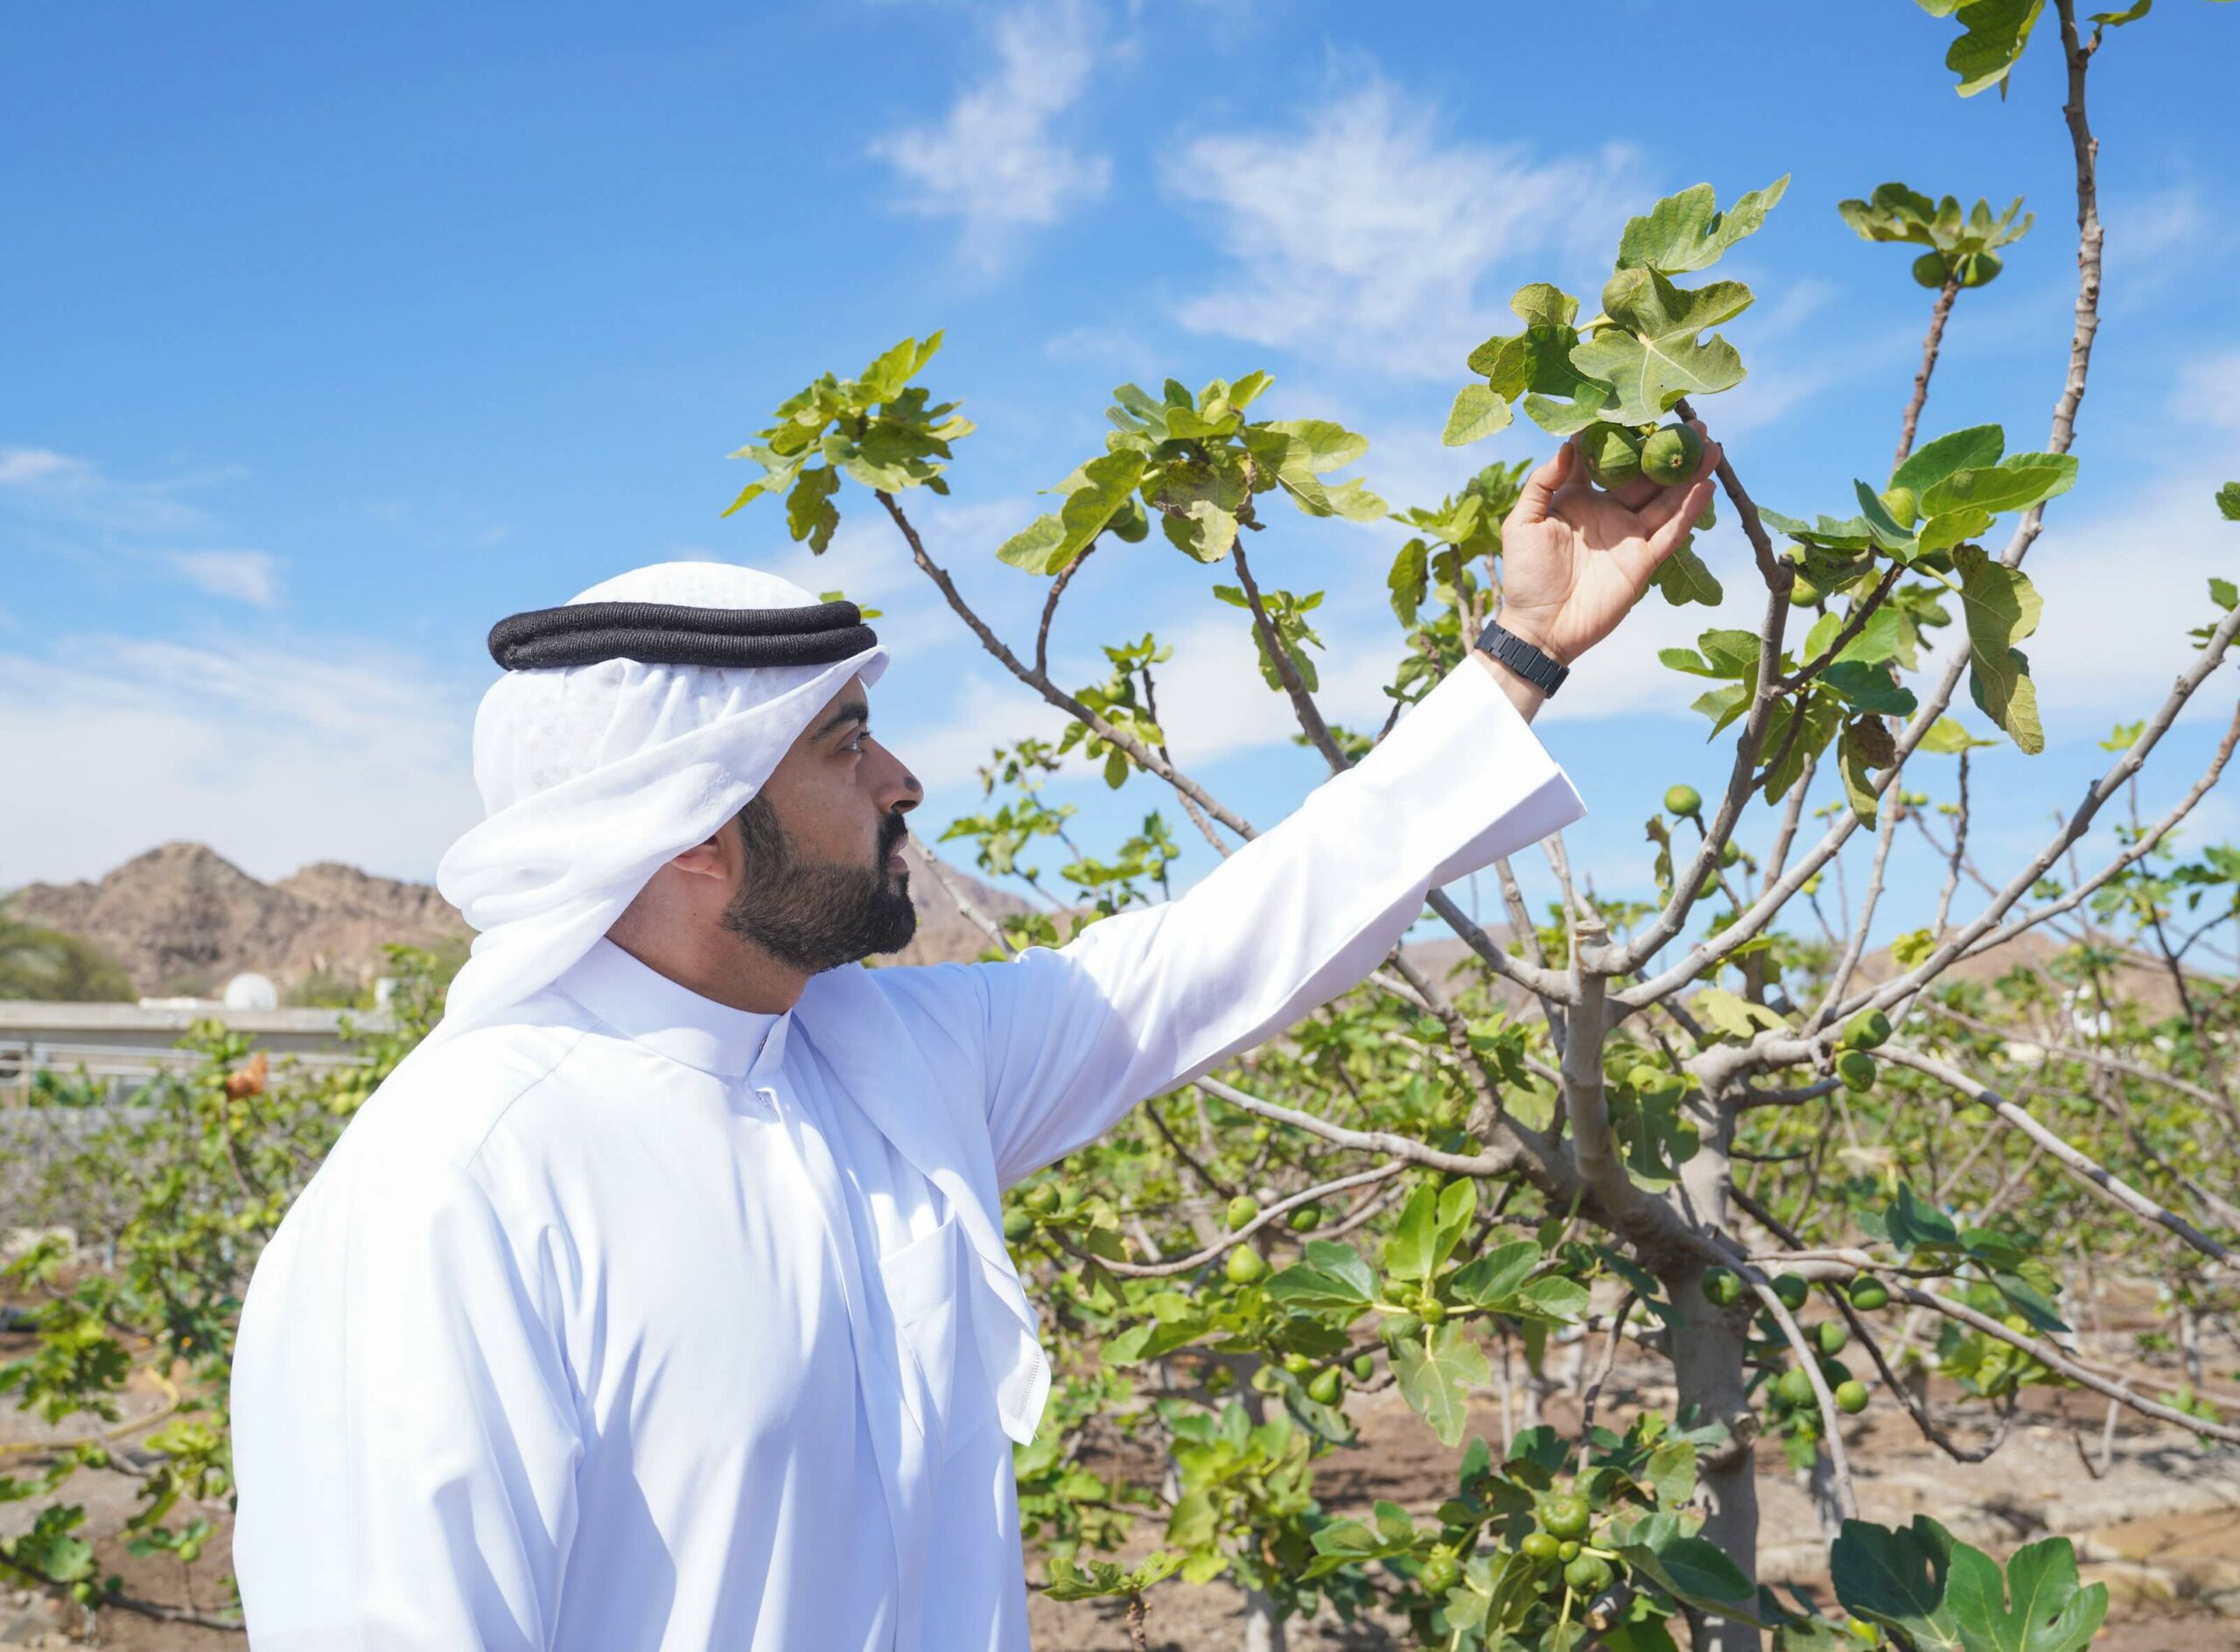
[818,915]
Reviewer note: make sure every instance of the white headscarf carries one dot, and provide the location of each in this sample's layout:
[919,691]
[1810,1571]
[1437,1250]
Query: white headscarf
[593,776]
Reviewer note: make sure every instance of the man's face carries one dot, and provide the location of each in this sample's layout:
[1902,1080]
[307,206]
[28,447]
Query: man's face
[823,881]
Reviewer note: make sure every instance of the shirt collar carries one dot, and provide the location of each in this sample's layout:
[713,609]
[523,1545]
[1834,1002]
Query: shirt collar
[648,1008]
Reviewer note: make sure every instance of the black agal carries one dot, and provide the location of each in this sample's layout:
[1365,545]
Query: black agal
[669,633]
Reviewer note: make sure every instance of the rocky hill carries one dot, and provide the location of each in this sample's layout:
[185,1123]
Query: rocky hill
[184,920]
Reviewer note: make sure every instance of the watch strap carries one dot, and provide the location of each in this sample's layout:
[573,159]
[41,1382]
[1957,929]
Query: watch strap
[1520,656]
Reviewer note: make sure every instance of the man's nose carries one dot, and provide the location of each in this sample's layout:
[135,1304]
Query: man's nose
[902,793]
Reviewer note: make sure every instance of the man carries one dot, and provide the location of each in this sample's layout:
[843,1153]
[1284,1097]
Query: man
[659,1299]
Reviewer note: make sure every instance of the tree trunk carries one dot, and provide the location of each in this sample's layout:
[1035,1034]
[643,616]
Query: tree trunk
[1707,1369]
[1264,1630]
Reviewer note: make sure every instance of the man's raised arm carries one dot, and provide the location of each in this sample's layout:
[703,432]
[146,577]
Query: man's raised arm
[1152,998]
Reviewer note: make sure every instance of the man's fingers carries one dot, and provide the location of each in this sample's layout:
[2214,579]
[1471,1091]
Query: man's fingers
[1679,520]
[1539,493]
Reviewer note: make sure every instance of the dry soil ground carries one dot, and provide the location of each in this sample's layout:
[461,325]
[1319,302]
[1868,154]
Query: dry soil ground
[2162,1527]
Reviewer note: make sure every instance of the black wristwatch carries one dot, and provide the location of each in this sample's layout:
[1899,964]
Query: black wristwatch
[1523,658]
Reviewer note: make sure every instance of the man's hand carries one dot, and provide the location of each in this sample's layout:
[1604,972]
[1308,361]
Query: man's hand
[1574,559]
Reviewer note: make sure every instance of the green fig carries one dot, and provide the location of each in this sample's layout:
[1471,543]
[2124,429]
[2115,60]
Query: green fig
[1794,1387]
[1929,269]
[1831,1334]
[1566,1517]
[1305,1219]
[1729,852]
[1243,1210]
[1297,1363]
[1587,1574]
[1326,1388]
[1246,1266]
[1364,1367]
[1669,457]
[1856,1069]
[1538,1545]
[1851,1397]
[1042,1198]
[1866,1031]
[1722,1287]
[1441,1572]
[1684,801]
[1867,1295]
[1978,268]
[1613,453]
[1903,504]
[1791,1288]
[1017,1224]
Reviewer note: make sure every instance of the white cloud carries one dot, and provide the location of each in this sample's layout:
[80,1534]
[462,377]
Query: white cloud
[22,466]
[2123,586]
[41,485]
[242,576]
[2209,390]
[1370,237]
[993,162]
[274,753]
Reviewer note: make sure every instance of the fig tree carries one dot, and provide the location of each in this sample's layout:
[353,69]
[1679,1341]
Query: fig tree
[1929,269]
[1669,456]
[1613,453]
[1851,1397]
[1246,1266]
[1242,1210]
[1856,1069]
[1684,801]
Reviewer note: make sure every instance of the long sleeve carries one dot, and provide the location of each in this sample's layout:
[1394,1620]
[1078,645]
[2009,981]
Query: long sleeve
[405,1440]
[1148,1000]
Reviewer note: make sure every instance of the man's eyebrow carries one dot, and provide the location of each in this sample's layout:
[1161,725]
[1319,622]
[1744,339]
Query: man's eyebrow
[848,711]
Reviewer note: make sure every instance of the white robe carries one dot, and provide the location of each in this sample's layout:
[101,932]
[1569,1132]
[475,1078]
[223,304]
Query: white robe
[639,1322]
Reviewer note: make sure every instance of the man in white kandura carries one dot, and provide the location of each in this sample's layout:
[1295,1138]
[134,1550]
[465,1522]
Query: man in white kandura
[658,1300]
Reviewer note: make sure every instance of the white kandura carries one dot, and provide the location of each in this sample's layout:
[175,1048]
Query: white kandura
[620,1320]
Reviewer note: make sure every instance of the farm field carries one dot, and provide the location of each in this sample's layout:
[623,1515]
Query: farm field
[2161,1527]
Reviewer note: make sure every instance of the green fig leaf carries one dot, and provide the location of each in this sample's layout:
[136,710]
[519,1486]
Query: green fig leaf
[2227,501]
[1653,357]
[2001,607]
[2015,481]
[1930,463]
[1436,1372]
[1687,231]
[1477,413]
[1681,577]
[1092,493]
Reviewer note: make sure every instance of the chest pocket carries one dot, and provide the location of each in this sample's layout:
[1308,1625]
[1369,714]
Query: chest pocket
[934,1289]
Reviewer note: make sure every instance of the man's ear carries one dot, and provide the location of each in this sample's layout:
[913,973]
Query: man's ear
[713,859]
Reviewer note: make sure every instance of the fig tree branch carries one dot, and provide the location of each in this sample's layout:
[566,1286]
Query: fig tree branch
[2102,1180]
[1141,755]
[1944,298]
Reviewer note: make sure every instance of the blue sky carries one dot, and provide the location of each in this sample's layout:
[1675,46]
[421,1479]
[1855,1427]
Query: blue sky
[332,335]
